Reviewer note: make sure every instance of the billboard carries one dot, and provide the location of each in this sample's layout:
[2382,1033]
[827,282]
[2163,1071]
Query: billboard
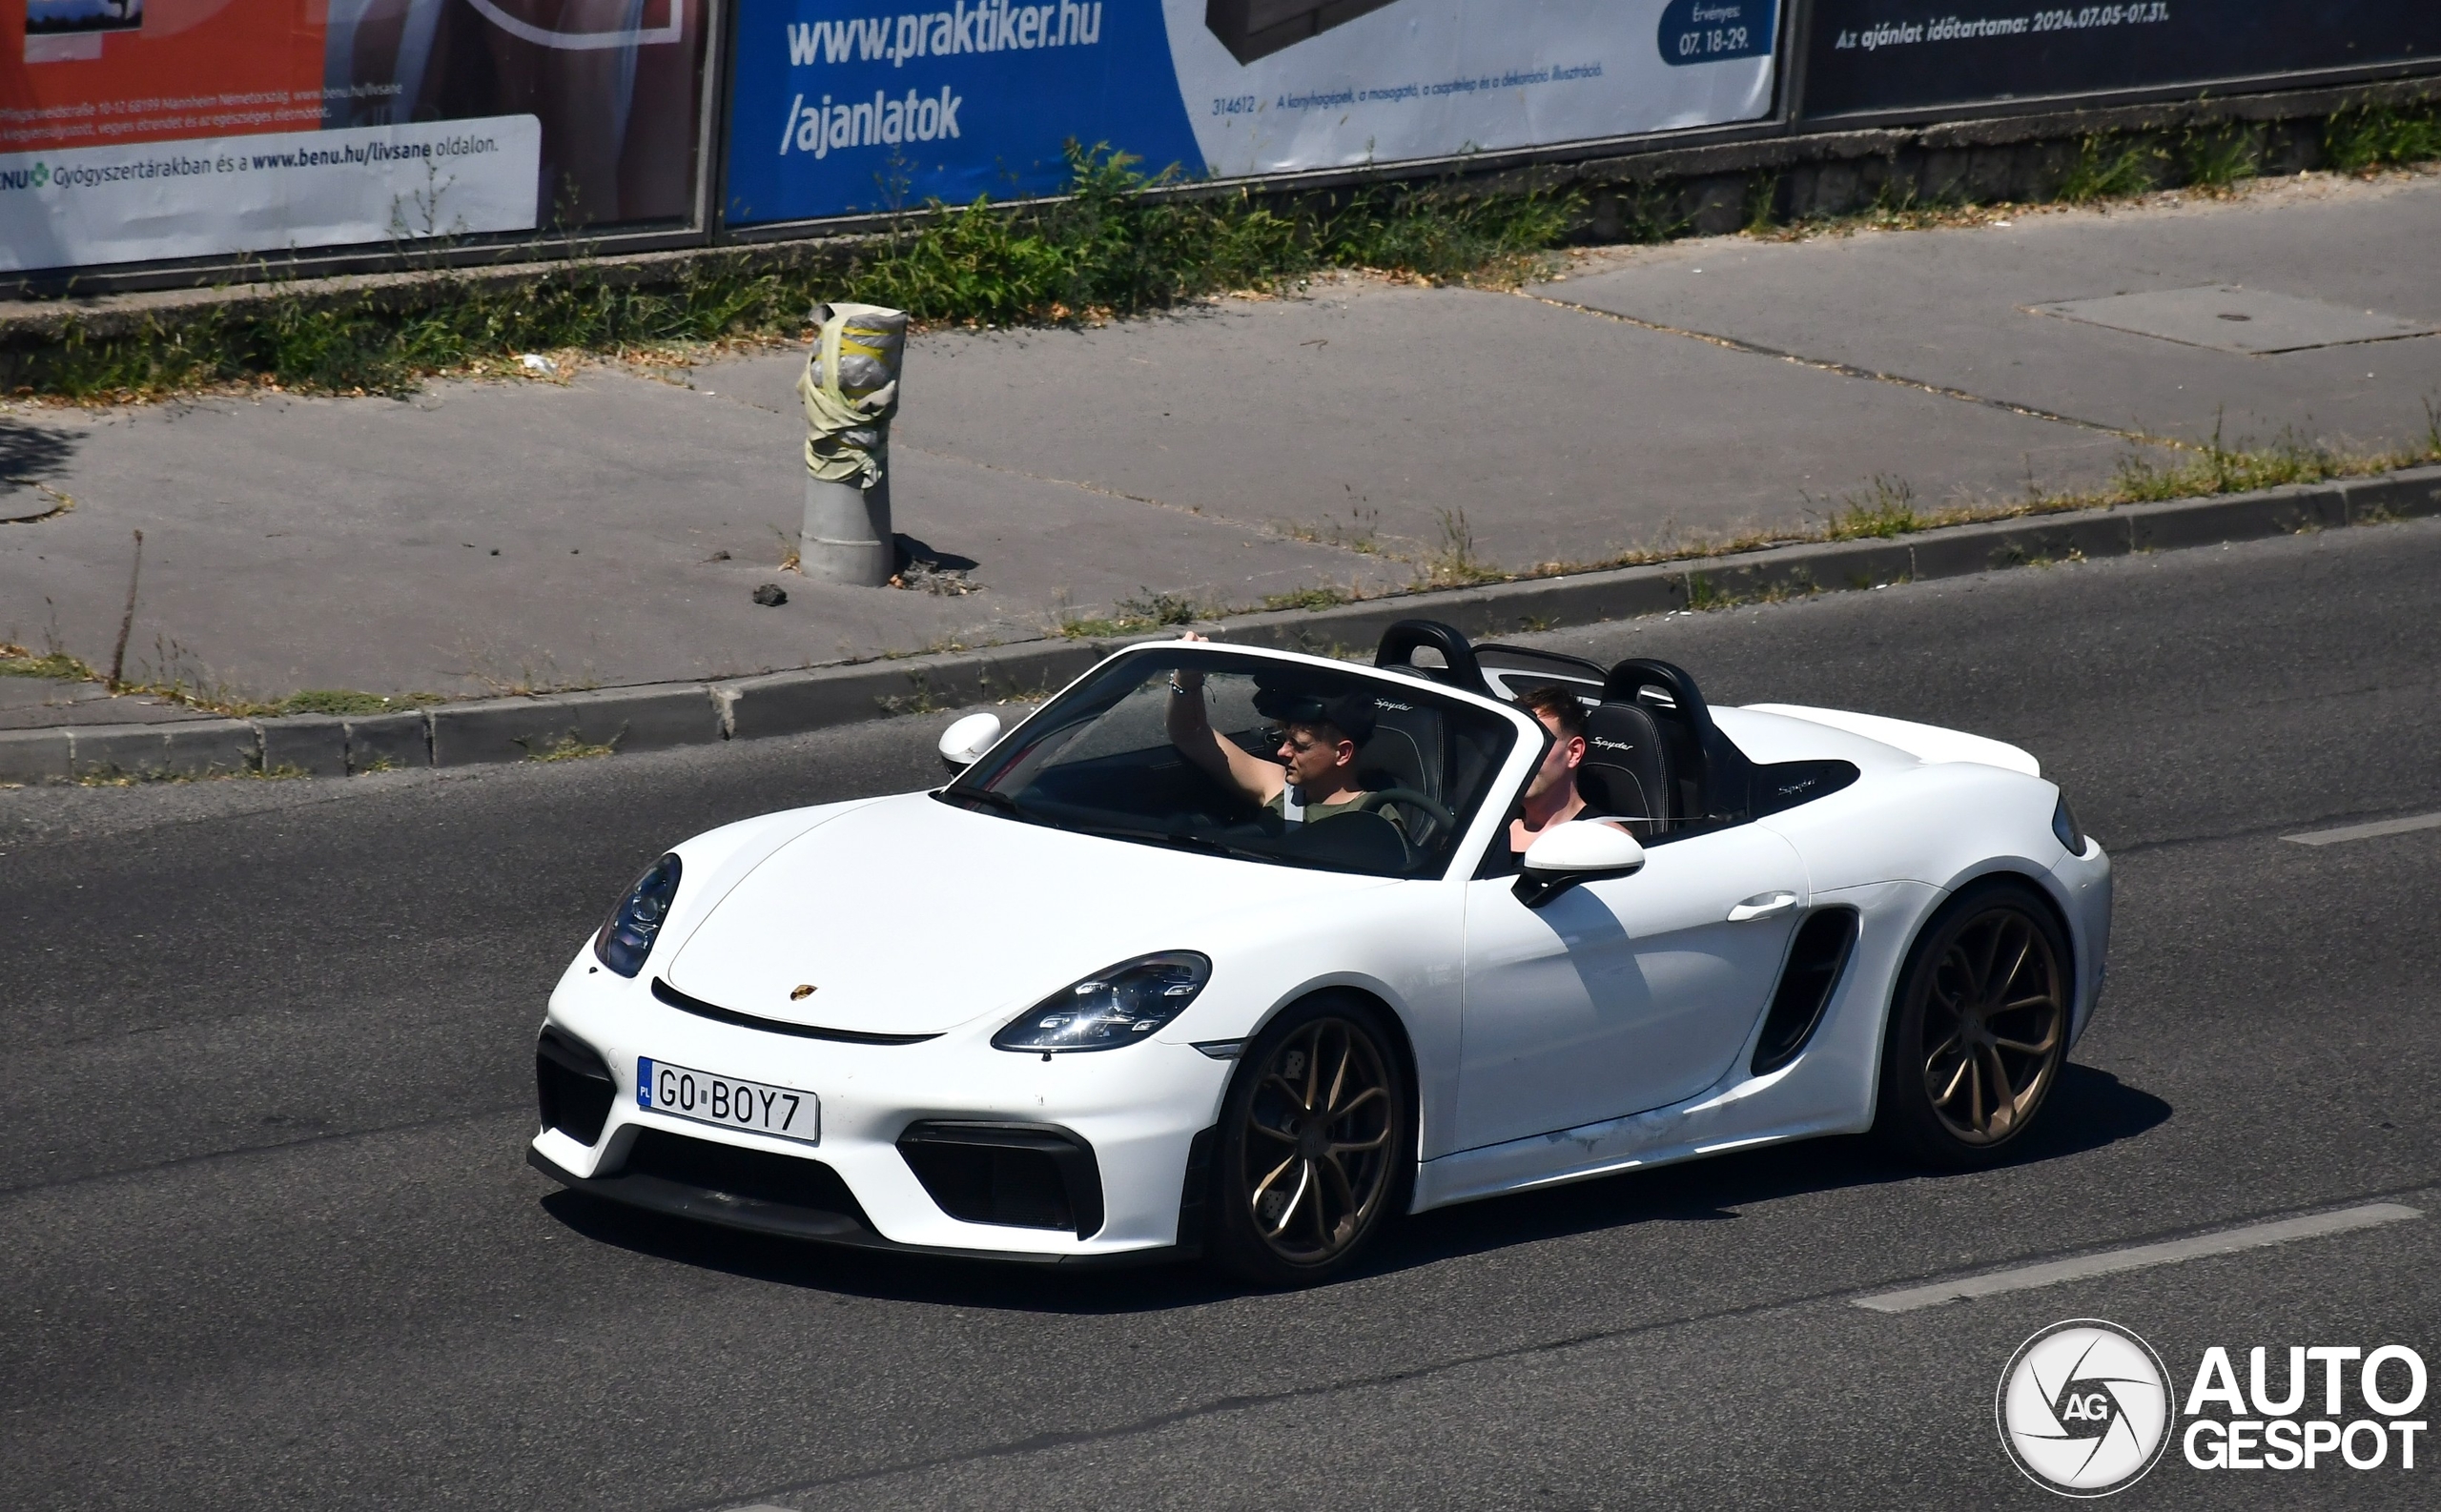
[1867,57]
[845,107]
[132,129]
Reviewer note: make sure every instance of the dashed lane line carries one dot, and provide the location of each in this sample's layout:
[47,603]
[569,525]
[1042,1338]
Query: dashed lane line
[2137,1258]
[2382,827]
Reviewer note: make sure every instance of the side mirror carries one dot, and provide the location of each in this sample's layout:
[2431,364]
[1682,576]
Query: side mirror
[1580,850]
[964,743]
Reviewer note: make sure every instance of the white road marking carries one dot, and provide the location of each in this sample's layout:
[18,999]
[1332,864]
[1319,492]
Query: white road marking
[2051,1273]
[2385,827]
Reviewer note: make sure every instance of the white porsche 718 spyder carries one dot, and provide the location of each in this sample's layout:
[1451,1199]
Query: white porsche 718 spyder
[1088,1003]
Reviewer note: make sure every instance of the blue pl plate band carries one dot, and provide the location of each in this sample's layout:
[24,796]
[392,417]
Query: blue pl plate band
[644,1081]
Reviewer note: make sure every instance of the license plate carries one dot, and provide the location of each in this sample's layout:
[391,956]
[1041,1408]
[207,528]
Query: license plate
[732,1102]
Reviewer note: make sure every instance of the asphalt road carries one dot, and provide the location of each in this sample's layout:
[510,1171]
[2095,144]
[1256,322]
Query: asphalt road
[270,1242]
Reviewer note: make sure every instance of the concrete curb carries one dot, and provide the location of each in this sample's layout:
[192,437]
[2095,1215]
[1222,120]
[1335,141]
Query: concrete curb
[657,716]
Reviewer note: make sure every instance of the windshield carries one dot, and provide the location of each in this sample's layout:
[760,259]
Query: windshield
[1204,749]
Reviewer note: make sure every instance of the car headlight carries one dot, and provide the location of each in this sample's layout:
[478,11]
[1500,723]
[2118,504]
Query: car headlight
[626,937]
[2063,824]
[1111,1007]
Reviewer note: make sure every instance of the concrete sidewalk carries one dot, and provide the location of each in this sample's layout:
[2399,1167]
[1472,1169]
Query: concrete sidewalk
[609,529]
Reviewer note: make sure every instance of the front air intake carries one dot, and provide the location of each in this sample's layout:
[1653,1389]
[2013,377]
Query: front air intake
[1019,1175]
[573,1084]
[739,1177]
[1823,942]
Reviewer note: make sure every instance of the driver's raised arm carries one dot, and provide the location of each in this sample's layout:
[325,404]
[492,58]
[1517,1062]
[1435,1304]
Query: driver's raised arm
[1190,731]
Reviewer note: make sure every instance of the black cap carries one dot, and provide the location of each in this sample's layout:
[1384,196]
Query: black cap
[1351,714]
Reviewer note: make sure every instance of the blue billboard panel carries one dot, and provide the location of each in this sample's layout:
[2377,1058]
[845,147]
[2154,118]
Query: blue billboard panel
[842,108]
[839,111]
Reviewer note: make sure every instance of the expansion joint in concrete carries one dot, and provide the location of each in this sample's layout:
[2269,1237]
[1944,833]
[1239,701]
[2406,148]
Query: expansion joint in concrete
[1851,370]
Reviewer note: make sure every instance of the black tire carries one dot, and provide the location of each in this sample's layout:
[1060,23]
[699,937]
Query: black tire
[1296,1197]
[1978,1028]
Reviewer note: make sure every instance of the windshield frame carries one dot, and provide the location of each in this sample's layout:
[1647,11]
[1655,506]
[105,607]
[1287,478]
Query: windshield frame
[1491,814]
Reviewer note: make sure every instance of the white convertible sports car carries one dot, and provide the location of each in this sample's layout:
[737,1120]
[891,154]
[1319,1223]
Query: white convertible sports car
[1087,1003]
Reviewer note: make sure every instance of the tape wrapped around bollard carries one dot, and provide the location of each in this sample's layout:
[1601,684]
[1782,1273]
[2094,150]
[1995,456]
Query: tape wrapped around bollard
[849,387]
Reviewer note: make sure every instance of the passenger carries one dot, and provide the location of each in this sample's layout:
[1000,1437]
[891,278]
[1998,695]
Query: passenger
[1550,795]
[1313,775]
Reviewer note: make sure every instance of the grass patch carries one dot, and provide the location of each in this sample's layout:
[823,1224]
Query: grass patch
[1115,245]
[15,660]
[2215,160]
[1452,561]
[115,777]
[2110,168]
[347,701]
[1320,598]
[569,748]
[1362,533]
[921,699]
[1887,509]
[2376,136]
[1146,610]
[2216,468]
[174,686]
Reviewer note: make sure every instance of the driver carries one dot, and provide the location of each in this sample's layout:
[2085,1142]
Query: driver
[1313,776]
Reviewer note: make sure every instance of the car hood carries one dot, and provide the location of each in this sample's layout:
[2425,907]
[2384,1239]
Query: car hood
[912,916]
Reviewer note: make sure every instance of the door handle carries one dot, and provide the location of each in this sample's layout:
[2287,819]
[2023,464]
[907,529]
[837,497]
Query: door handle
[1763,905]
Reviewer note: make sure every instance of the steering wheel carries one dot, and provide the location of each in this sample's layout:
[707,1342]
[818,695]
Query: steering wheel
[1379,797]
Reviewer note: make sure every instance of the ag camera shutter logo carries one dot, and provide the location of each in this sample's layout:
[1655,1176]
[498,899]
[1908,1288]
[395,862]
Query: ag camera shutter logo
[2084,1408]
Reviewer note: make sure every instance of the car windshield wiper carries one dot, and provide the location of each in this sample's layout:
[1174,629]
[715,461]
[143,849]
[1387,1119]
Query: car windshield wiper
[1177,840]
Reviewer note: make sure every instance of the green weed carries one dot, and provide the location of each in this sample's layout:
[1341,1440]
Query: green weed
[1145,610]
[920,700]
[2374,137]
[106,776]
[2110,168]
[347,701]
[2217,468]
[2215,160]
[1888,509]
[1320,598]
[1452,561]
[570,747]
[15,660]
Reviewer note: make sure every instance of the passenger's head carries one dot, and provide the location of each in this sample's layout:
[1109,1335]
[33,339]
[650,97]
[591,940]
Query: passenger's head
[1560,713]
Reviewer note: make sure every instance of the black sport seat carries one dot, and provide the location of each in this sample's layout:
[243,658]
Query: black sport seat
[1451,660]
[1710,780]
[1626,771]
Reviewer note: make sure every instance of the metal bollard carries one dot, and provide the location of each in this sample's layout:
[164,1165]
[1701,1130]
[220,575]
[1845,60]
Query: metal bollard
[847,537]
[851,392]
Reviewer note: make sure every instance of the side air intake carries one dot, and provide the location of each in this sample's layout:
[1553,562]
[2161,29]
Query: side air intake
[1823,944]
[1018,1175]
[573,1085]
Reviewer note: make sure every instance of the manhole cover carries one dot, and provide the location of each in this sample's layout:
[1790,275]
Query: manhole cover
[2236,319]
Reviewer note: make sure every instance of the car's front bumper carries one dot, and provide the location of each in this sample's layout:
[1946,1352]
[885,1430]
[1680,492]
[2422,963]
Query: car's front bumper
[1136,1110]
[818,1225]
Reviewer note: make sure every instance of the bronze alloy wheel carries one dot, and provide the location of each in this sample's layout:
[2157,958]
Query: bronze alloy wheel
[1978,1028]
[1318,1158]
[1313,1140]
[1994,1021]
